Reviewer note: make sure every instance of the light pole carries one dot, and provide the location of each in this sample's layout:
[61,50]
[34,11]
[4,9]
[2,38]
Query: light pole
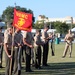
[50,25]
[71,22]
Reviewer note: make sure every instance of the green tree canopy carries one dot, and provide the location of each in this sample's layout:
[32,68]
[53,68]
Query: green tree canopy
[61,27]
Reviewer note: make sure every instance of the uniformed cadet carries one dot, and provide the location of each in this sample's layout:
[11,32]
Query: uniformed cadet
[37,49]
[7,48]
[27,40]
[68,39]
[1,46]
[45,39]
[17,52]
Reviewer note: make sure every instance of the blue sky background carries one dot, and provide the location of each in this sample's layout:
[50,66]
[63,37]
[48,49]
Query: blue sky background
[49,8]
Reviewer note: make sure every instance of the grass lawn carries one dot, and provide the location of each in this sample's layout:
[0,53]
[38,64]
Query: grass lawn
[58,65]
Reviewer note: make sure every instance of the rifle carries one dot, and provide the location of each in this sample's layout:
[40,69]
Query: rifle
[52,48]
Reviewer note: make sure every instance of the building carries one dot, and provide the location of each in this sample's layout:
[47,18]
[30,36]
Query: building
[68,19]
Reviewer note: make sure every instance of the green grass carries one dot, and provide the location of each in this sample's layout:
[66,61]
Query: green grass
[58,65]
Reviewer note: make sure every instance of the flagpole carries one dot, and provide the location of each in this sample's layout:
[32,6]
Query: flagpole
[10,72]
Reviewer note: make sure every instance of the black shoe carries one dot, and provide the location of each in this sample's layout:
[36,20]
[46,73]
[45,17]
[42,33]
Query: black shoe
[53,55]
[29,71]
[63,56]
[19,72]
[39,67]
[1,67]
[45,65]
[36,67]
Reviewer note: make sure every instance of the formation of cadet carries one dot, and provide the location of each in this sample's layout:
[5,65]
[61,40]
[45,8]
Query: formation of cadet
[31,46]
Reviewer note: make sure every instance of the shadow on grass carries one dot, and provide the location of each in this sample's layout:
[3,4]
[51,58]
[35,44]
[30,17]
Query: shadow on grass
[67,68]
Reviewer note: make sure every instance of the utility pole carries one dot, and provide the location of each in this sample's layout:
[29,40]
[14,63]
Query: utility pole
[50,25]
[71,22]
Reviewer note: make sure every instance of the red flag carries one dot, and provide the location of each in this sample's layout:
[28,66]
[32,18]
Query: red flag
[22,20]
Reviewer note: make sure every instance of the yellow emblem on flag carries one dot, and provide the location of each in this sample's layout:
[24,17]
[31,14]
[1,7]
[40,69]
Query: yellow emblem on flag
[21,22]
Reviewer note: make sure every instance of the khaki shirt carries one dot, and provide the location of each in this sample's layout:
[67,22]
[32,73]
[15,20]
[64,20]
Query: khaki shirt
[28,37]
[69,38]
[6,32]
[44,35]
[1,38]
[8,40]
[17,39]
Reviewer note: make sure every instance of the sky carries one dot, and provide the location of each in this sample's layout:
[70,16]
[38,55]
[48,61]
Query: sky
[49,8]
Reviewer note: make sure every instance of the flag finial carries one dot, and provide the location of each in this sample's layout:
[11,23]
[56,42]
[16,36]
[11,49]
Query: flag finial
[15,4]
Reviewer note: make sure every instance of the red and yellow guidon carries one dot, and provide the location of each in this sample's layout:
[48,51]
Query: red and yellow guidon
[22,20]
